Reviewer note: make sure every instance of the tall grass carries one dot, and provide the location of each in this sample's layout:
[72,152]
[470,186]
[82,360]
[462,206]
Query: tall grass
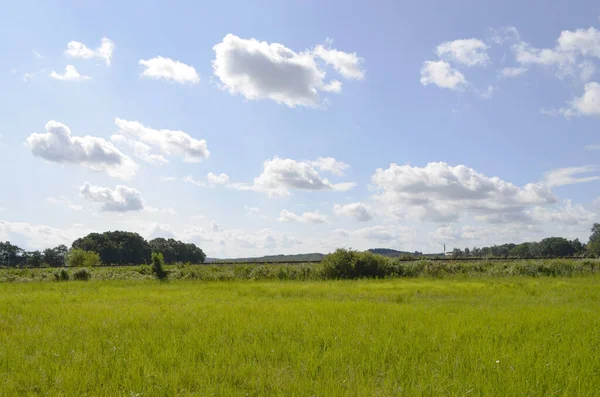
[486,337]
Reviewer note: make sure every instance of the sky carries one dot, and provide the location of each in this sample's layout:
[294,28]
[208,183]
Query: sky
[260,127]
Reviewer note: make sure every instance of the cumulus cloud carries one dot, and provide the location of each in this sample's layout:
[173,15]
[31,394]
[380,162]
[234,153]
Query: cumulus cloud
[154,145]
[593,147]
[306,217]
[122,199]
[586,105]
[259,70]
[440,192]
[347,64]
[469,52]
[569,57]
[329,164]
[58,146]
[37,236]
[359,211]
[568,176]
[443,75]
[568,214]
[70,74]
[76,49]
[281,175]
[167,69]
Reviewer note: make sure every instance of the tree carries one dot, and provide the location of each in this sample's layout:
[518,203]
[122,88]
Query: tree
[118,247]
[522,250]
[34,259]
[56,256]
[10,254]
[556,247]
[80,258]
[177,251]
[593,246]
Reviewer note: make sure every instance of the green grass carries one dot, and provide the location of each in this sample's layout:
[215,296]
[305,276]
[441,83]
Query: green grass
[475,337]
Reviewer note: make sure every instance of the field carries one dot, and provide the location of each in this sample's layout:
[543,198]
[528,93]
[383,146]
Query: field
[473,336]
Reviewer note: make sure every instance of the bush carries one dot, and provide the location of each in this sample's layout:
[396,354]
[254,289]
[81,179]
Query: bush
[145,269]
[348,264]
[158,266]
[82,274]
[61,275]
[81,258]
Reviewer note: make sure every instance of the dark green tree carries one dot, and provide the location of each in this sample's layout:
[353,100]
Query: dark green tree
[117,247]
[56,257]
[593,246]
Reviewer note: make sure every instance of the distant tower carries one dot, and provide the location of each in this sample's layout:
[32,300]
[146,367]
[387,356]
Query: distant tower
[444,249]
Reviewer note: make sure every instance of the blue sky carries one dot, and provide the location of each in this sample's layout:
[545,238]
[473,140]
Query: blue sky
[324,124]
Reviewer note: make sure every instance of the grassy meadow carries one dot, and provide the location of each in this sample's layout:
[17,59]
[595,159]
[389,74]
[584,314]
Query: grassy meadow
[487,336]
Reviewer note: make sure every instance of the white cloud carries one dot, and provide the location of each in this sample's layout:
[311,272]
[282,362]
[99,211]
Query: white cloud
[469,52]
[359,211]
[122,199]
[160,231]
[568,214]
[58,146]
[70,74]
[280,175]
[443,75]
[36,236]
[568,176]
[190,179]
[140,150]
[347,64]
[259,70]
[441,193]
[168,69]
[37,54]
[586,105]
[64,201]
[570,57]
[306,217]
[329,164]
[593,147]
[513,72]
[104,52]
[221,179]
[165,142]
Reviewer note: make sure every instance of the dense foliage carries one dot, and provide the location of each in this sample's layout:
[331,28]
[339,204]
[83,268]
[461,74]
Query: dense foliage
[108,248]
[551,247]
[116,248]
[177,251]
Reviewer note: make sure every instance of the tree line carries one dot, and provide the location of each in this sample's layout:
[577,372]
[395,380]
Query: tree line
[108,248]
[551,247]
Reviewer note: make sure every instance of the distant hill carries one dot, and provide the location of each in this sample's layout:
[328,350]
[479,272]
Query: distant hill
[272,258]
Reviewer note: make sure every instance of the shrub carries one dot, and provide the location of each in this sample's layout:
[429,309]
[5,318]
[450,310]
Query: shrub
[158,266]
[348,264]
[81,258]
[145,269]
[82,274]
[61,275]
